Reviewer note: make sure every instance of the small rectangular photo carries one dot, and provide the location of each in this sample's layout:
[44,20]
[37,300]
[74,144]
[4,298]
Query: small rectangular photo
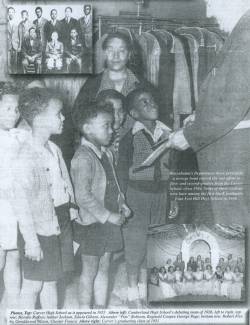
[188,263]
[50,39]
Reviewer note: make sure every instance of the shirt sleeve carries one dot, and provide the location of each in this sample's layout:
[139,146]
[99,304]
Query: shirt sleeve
[22,189]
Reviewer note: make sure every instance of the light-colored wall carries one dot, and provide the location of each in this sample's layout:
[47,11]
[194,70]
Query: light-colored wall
[159,250]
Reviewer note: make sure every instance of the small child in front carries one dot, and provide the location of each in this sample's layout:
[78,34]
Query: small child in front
[101,204]
[45,181]
[146,189]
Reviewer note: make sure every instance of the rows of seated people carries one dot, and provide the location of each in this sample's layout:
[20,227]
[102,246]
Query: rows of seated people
[198,277]
[50,45]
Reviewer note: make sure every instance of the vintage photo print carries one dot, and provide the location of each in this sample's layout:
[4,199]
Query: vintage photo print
[49,39]
[196,263]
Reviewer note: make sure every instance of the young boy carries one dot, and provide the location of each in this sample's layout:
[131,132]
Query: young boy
[117,100]
[101,204]
[146,189]
[46,184]
[10,198]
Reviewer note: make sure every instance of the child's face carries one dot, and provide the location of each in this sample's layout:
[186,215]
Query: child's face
[119,114]
[146,108]
[9,113]
[99,129]
[52,118]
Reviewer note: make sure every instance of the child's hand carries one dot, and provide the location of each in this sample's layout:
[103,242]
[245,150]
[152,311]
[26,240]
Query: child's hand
[34,253]
[174,210]
[125,211]
[116,219]
[74,214]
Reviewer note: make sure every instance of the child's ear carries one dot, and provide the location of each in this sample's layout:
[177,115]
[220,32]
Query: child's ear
[134,114]
[85,128]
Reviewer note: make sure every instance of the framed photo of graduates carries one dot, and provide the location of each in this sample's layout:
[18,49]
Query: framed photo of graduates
[49,39]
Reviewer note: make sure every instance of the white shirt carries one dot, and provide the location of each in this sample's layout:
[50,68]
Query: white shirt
[160,129]
[58,185]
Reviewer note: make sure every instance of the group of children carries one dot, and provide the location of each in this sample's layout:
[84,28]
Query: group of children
[106,201]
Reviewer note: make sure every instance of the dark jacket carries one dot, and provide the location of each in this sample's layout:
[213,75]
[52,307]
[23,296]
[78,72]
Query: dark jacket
[49,28]
[224,102]
[225,96]
[31,50]
[66,28]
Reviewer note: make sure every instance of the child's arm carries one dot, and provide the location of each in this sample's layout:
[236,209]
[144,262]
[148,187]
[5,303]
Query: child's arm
[82,173]
[65,173]
[22,188]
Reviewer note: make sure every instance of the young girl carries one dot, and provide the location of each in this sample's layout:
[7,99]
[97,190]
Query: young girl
[209,283]
[11,199]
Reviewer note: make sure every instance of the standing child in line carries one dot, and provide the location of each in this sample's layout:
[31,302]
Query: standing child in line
[46,183]
[117,100]
[101,204]
[11,205]
[146,189]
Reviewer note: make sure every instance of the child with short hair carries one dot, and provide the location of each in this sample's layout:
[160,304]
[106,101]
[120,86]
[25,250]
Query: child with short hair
[10,197]
[46,184]
[117,100]
[101,204]
[146,189]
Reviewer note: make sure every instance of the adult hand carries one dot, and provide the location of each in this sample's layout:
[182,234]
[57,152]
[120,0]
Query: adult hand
[189,120]
[174,210]
[178,141]
[74,214]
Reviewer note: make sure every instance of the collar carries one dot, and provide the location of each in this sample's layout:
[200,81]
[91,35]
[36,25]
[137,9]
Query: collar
[159,129]
[128,86]
[86,143]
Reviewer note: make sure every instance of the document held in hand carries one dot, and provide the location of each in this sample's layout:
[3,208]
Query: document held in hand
[160,148]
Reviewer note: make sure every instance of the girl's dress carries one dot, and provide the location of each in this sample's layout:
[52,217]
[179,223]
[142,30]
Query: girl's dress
[9,204]
[208,283]
[198,286]
[217,283]
[237,286]
[188,283]
[167,286]
[178,282]
[227,284]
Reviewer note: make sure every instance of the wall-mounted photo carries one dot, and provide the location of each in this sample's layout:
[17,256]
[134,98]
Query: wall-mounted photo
[196,263]
[49,39]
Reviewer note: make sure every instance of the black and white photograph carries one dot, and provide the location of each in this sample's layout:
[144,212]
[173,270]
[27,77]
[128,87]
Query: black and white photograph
[196,263]
[124,154]
[49,39]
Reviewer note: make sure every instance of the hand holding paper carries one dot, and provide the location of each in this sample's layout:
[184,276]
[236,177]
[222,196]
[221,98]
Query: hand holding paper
[178,141]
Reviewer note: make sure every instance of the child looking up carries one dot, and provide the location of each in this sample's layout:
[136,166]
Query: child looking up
[146,190]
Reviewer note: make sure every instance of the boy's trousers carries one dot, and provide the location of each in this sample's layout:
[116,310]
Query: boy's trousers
[149,206]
